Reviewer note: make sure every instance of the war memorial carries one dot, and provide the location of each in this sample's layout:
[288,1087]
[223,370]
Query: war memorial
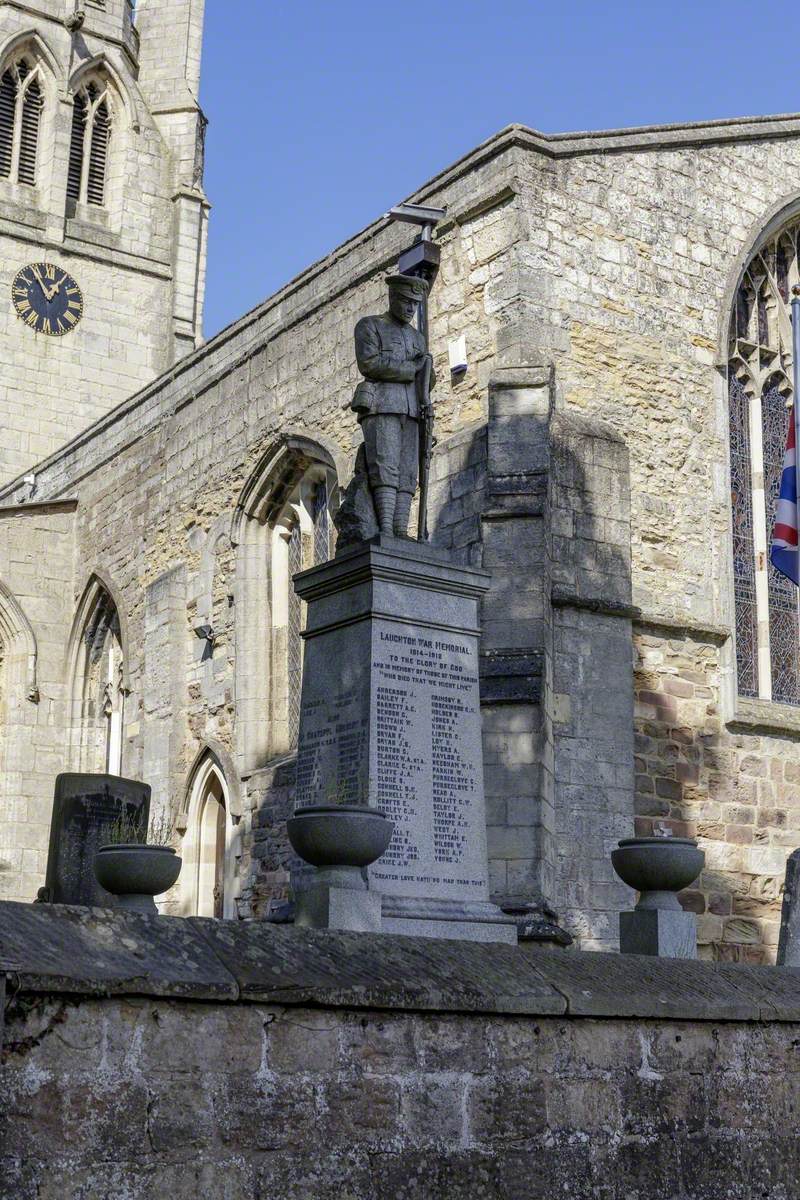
[399,711]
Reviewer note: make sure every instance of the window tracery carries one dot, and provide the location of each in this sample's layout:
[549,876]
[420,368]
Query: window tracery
[301,539]
[98,685]
[282,523]
[760,390]
[21,104]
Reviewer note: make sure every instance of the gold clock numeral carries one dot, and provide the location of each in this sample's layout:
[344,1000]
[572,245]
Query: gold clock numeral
[21,293]
[46,326]
[50,271]
[23,306]
[70,317]
[31,320]
[73,291]
[61,328]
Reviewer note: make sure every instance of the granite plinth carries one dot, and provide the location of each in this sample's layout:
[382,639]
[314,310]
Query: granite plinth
[390,716]
[338,898]
[663,932]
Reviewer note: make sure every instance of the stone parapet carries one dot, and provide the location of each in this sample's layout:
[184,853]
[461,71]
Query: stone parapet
[65,949]
[145,1057]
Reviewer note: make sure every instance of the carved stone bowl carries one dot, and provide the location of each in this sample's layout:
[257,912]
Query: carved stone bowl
[135,873]
[658,867]
[339,835]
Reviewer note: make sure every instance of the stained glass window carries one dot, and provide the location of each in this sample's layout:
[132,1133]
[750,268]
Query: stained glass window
[760,390]
[322,532]
[782,270]
[783,629]
[763,323]
[294,645]
[742,313]
[744,583]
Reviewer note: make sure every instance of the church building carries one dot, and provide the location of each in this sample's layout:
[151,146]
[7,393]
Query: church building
[102,211]
[610,455]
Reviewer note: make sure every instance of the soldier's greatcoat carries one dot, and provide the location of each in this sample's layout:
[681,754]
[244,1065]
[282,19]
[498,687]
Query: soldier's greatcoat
[389,354]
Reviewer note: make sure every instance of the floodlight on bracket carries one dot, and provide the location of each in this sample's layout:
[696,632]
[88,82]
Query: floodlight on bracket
[418,214]
[422,258]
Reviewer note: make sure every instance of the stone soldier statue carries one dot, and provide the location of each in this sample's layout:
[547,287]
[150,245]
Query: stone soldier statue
[391,399]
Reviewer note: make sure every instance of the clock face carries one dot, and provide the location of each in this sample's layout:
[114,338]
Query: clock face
[47,299]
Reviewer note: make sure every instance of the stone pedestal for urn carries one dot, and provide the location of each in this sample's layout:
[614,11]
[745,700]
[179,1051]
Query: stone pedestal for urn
[390,717]
[340,841]
[658,868]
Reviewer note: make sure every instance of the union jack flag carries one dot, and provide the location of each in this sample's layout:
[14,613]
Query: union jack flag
[783,551]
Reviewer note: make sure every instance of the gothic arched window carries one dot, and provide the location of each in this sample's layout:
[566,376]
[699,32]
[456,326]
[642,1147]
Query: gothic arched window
[88,151]
[21,841]
[98,684]
[760,392]
[21,104]
[301,539]
[282,524]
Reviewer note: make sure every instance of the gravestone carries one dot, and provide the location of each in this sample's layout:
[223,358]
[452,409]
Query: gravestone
[85,808]
[390,716]
[789,937]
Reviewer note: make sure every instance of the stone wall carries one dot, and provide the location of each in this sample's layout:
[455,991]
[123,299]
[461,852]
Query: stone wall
[138,272]
[36,613]
[736,787]
[145,1098]
[159,481]
[318,1066]
[606,265]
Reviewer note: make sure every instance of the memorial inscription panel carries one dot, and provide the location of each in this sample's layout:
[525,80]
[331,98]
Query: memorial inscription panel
[390,716]
[333,748]
[85,809]
[426,761]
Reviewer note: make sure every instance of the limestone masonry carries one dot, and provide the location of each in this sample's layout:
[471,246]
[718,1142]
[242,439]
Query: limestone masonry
[611,288]
[139,256]
[145,1056]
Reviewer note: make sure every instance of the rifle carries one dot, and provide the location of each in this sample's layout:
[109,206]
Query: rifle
[426,443]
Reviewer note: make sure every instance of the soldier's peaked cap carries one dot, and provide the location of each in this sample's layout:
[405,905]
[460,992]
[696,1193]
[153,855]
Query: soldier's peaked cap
[410,285]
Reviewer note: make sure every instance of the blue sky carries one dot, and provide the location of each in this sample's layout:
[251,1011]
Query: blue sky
[326,112]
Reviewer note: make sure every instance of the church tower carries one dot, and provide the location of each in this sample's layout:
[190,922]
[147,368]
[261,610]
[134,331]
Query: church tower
[103,216]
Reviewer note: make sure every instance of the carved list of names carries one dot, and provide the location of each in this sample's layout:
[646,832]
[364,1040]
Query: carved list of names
[426,762]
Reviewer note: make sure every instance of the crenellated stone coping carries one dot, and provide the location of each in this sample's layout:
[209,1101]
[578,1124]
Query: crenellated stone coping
[103,952]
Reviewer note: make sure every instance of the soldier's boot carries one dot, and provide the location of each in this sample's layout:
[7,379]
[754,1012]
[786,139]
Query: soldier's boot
[385,501]
[401,514]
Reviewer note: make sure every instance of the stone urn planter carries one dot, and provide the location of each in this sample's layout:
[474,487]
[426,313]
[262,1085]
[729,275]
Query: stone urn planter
[658,868]
[135,872]
[339,835]
[340,840]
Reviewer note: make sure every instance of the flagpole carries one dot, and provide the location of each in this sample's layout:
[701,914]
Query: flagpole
[796,388]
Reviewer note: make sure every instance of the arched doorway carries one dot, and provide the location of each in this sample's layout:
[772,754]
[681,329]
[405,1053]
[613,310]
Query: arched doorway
[208,877]
[211,847]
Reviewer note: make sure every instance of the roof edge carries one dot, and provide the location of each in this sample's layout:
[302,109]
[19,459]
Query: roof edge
[558,145]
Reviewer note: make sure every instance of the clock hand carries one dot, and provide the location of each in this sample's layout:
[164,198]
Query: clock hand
[56,286]
[45,289]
